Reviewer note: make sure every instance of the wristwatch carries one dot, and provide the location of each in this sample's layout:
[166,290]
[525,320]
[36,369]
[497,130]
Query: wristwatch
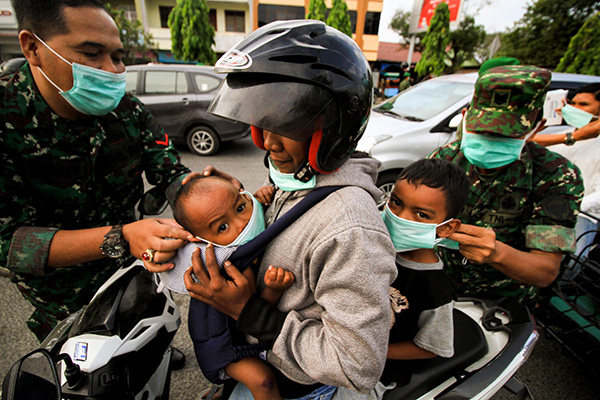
[569,139]
[114,244]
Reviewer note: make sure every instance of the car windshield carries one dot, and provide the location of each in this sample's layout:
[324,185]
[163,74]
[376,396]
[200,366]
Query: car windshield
[425,100]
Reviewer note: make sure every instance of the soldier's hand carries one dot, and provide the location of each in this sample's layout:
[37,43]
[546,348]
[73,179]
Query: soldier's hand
[209,170]
[157,238]
[478,245]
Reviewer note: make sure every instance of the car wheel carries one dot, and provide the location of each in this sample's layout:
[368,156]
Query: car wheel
[385,183]
[203,141]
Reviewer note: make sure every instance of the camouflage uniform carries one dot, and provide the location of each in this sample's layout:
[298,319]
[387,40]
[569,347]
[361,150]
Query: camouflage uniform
[65,174]
[531,203]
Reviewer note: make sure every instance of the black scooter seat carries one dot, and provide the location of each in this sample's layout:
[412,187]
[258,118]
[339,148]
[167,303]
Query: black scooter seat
[469,346]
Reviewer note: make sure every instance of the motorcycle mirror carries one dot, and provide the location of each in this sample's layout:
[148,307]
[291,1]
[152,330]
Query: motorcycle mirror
[33,377]
[153,202]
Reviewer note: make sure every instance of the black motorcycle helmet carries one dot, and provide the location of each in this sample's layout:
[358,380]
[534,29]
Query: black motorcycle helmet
[303,80]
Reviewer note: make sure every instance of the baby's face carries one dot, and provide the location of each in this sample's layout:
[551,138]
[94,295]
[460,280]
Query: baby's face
[221,216]
[418,203]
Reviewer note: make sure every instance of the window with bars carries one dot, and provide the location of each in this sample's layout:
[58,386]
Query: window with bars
[235,21]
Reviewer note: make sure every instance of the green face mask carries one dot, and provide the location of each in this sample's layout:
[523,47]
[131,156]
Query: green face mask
[576,117]
[489,152]
[287,182]
[410,235]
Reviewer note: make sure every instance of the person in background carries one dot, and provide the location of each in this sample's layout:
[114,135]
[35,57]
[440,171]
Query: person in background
[74,147]
[524,199]
[580,144]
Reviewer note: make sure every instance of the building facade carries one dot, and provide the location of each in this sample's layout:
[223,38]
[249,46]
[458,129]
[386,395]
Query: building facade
[232,20]
[364,15]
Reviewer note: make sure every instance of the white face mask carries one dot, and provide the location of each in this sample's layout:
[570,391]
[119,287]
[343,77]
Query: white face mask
[255,226]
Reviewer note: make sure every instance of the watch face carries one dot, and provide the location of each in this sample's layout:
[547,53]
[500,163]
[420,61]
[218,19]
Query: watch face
[113,250]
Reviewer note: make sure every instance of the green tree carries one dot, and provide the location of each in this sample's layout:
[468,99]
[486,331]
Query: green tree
[339,17]
[583,54]
[317,10]
[400,24]
[137,43]
[192,36]
[435,42]
[464,41]
[542,36]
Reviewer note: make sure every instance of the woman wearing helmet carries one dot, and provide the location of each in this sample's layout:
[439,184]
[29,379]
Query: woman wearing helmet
[306,90]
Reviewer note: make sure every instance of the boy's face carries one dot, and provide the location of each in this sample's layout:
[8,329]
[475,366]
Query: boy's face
[418,203]
[221,216]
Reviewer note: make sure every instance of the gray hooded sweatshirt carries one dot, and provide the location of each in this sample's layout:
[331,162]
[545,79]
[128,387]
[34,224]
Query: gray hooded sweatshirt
[338,311]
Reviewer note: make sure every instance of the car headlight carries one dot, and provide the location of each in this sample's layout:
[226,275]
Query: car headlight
[366,143]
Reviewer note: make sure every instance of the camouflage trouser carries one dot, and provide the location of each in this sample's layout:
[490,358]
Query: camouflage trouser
[60,293]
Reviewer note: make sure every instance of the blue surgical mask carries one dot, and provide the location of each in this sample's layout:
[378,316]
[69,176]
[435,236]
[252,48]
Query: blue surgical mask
[255,226]
[94,91]
[410,235]
[490,152]
[287,182]
[576,117]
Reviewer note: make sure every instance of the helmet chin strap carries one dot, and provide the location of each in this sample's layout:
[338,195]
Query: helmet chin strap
[305,172]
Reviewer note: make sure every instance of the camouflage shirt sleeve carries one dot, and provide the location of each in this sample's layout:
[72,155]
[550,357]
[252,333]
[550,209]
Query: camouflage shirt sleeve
[14,211]
[557,195]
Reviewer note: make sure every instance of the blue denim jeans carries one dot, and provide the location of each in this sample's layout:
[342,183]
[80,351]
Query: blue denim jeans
[325,392]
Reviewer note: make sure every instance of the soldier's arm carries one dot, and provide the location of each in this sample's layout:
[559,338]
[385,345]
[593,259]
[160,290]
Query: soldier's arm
[480,246]
[72,247]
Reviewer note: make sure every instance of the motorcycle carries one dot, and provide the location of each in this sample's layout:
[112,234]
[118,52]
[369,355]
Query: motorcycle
[569,310]
[116,347]
[492,340]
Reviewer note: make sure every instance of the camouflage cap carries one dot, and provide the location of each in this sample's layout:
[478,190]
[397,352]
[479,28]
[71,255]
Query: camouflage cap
[507,100]
[497,62]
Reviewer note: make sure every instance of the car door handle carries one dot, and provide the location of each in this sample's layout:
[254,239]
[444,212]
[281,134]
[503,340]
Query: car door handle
[185,101]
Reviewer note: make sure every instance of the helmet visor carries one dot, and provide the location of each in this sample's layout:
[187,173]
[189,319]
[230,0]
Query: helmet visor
[289,108]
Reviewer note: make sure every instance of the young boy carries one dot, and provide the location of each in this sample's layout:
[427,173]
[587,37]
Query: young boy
[213,210]
[420,212]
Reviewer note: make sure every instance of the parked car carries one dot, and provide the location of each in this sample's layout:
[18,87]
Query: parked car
[410,125]
[11,65]
[178,96]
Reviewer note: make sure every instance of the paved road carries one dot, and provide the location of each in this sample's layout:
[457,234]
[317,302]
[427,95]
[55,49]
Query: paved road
[549,373]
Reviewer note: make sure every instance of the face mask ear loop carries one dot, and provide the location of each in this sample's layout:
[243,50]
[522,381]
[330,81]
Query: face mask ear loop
[52,50]
[209,242]
[49,80]
[58,55]
[439,239]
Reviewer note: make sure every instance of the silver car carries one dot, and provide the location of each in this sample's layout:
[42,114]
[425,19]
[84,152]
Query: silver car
[178,96]
[410,125]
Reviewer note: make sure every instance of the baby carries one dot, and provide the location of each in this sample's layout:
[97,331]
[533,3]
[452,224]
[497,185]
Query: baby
[213,210]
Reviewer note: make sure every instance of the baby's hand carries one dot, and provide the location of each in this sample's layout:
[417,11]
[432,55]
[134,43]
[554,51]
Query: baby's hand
[265,195]
[278,278]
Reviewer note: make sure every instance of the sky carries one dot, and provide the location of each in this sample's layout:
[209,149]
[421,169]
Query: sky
[496,16]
